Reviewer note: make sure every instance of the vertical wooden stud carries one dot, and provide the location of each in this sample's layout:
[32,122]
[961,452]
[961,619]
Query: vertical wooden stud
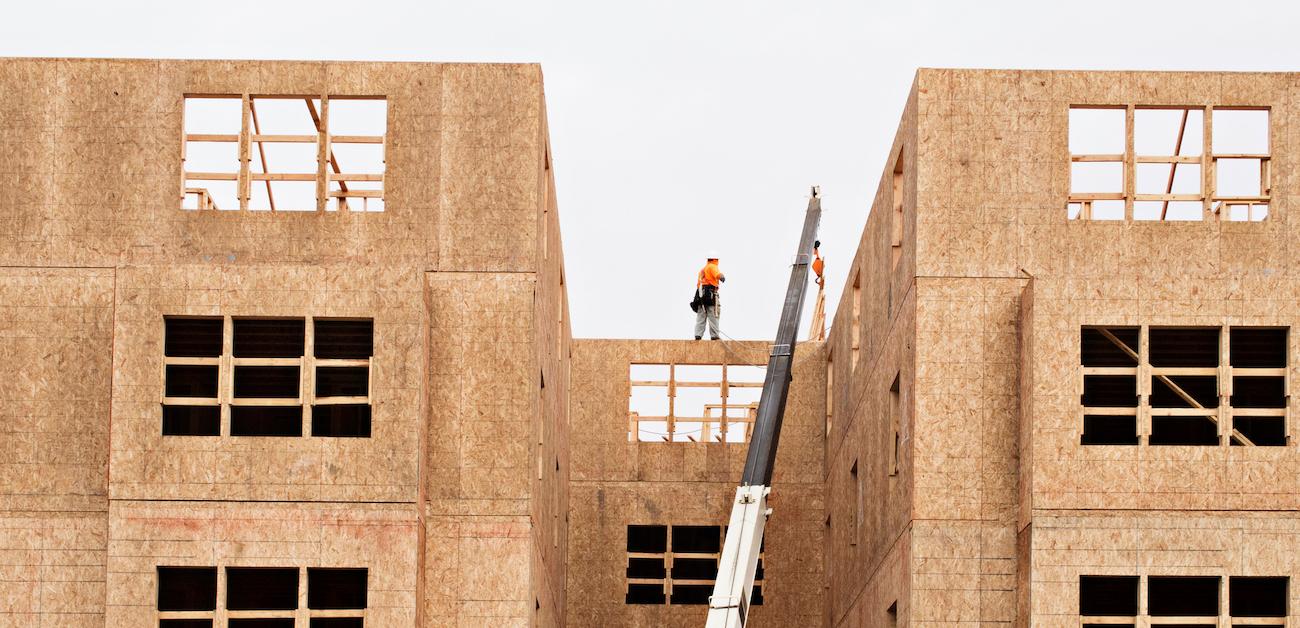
[245,153]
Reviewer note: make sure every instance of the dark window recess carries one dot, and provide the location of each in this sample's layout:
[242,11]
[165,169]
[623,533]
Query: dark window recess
[647,539]
[1257,347]
[1266,431]
[185,623]
[1109,430]
[187,588]
[756,596]
[758,572]
[342,381]
[191,381]
[694,568]
[1203,388]
[343,339]
[1258,392]
[1183,596]
[191,421]
[1110,626]
[645,568]
[261,589]
[266,420]
[269,337]
[1195,346]
[341,420]
[267,382]
[1110,391]
[336,588]
[1257,596]
[337,622]
[645,594]
[1183,430]
[697,539]
[266,622]
[1108,595]
[691,593]
[1097,350]
[192,337]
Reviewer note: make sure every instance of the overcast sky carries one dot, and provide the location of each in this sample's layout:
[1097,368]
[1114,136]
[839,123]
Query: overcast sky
[679,127]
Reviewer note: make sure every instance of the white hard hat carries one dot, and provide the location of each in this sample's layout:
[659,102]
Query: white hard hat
[713,254]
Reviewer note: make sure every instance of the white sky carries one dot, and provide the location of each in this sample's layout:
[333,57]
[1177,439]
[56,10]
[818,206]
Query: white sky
[679,127]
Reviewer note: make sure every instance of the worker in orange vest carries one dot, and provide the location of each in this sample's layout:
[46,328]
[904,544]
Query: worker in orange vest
[707,303]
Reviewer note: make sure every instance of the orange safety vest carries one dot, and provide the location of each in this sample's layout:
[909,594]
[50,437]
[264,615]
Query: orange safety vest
[709,275]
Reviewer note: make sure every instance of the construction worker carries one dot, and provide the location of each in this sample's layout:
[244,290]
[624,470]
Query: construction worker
[707,303]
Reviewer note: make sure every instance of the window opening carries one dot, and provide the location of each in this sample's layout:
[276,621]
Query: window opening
[1108,596]
[891,615]
[342,354]
[1168,163]
[284,153]
[895,410]
[693,402]
[859,504]
[1183,596]
[1203,381]
[261,597]
[677,564]
[261,373]
[896,227]
[830,392]
[856,328]
[1256,596]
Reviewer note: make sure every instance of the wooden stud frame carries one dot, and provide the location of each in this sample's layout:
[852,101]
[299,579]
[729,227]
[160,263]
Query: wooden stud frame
[302,616]
[227,363]
[1221,416]
[714,414]
[1224,619]
[327,169]
[668,555]
[1214,205]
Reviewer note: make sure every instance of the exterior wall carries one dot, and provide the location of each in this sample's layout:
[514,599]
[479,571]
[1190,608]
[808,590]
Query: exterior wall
[616,483]
[441,503]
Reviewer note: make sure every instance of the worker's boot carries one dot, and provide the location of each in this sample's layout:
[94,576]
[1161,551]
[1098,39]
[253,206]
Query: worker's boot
[714,338]
[697,338]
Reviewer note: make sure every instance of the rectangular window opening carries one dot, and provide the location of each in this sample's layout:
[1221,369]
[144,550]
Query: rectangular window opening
[696,403]
[1183,596]
[1255,596]
[1115,596]
[261,588]
[333,588]
[895,411]
[211,153]
[859,503]
[187,588]
[855,329]
[896,222]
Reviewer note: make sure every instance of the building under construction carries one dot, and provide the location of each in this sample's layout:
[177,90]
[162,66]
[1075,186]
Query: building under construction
[286,344]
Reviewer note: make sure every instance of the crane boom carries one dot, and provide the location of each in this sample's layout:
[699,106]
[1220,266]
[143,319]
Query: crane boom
[729,604]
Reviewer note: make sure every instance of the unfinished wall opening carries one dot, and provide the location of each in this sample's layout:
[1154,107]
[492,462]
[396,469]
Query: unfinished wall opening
[262,596]
[342,351]
[187,588]
[859,503]
[1168,163]
[191,403]
[257,370]
[284,152]
[677,565]
[855,328]
[1198,379]
[1183,596]
[896,217]
[830,391]
[1257,596]
[261,589]
[1108,596]
[891,615]
[695,403]
[1110,399]
[895,417]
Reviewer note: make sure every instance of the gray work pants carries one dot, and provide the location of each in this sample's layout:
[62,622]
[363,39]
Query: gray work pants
[709,313]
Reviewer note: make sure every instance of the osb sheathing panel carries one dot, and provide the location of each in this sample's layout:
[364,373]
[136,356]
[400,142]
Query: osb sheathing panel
[616,483]
[147,465]
[53,569]
[56,340]
[964,573]
[144,535]
[1070,475]
[1068,544]
[94,146]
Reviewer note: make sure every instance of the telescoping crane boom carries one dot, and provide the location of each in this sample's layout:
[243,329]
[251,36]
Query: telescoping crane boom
[729,604]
